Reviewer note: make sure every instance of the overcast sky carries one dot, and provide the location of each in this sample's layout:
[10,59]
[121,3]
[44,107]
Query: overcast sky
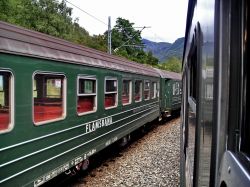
[167,18]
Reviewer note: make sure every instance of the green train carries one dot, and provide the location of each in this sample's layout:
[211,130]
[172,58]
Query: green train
[61,103]
[170,92]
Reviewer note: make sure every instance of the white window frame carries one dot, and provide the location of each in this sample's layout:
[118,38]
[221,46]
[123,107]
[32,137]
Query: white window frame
[87,77]
[158,89]
[64,99]
[130,91]
[148,89]
[11,102]
[175,88]
[154,87]
[140,91]
[114,92]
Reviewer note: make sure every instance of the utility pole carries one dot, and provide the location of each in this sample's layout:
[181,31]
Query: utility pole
[109,35]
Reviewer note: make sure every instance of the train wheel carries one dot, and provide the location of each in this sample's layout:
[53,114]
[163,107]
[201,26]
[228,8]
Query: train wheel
[124,141]
[85,164]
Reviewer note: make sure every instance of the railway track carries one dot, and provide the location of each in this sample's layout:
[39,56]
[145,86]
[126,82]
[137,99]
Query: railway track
[150,159]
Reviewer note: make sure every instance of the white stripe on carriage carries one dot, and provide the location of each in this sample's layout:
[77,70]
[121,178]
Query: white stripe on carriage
[58,132]
[62,142]
[10,177]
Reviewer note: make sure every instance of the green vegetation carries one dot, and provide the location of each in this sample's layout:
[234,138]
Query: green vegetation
[127,42]
[172,64]
[50,17]
[53,17]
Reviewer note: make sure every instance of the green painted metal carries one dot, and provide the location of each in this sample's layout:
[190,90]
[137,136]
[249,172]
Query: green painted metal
[170,95]
[31,154]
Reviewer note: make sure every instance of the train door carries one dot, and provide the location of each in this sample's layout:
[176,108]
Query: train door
[168,90]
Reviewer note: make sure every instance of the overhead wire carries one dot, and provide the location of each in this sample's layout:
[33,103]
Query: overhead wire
[87,13]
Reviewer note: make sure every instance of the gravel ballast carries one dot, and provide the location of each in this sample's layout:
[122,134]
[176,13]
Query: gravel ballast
[150,161]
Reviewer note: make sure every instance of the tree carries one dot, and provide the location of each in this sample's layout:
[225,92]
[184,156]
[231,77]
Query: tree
[54,18]
[48,16]
[127,42]
[172,64]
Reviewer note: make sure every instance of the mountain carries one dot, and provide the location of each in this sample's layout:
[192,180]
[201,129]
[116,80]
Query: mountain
[164,50]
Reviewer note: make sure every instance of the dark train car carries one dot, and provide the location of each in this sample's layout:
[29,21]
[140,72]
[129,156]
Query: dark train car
[215,129]
[170,92]
[60,103]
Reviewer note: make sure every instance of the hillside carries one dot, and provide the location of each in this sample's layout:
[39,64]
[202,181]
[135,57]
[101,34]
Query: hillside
[164,50]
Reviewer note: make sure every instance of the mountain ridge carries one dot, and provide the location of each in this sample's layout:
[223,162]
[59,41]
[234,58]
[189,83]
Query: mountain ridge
[164,50]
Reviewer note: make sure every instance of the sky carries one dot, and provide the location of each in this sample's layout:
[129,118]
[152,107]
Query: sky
[166,18]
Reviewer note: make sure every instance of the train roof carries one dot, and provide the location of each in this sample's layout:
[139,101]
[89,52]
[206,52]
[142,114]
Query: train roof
[190,12]
[169,75]
[20,41]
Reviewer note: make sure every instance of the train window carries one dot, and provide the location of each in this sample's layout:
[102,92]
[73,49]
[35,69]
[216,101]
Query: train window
[146,90]
[193,73]
[154,90]
[158,89]
[245,126]
[110,93]
[176,88]
[6,101]
[86,95]
[138,90]
[126,92]
[49,91]
[209,91]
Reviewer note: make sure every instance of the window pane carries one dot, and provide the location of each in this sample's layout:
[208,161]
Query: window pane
[245,125]
[153,90]
[146,90]
[86,102]
[146,85]
[209,91]
[111,85]
[110,100]
[87,86]
[126,92]
[193,73]
[5,95]
[138,90]
[176,88]
[48,97]
[54,88]
[34,89]
[1,91]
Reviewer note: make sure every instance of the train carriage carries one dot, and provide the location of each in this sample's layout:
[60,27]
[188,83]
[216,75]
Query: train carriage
[60,103]
[170,92]
[215,101]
